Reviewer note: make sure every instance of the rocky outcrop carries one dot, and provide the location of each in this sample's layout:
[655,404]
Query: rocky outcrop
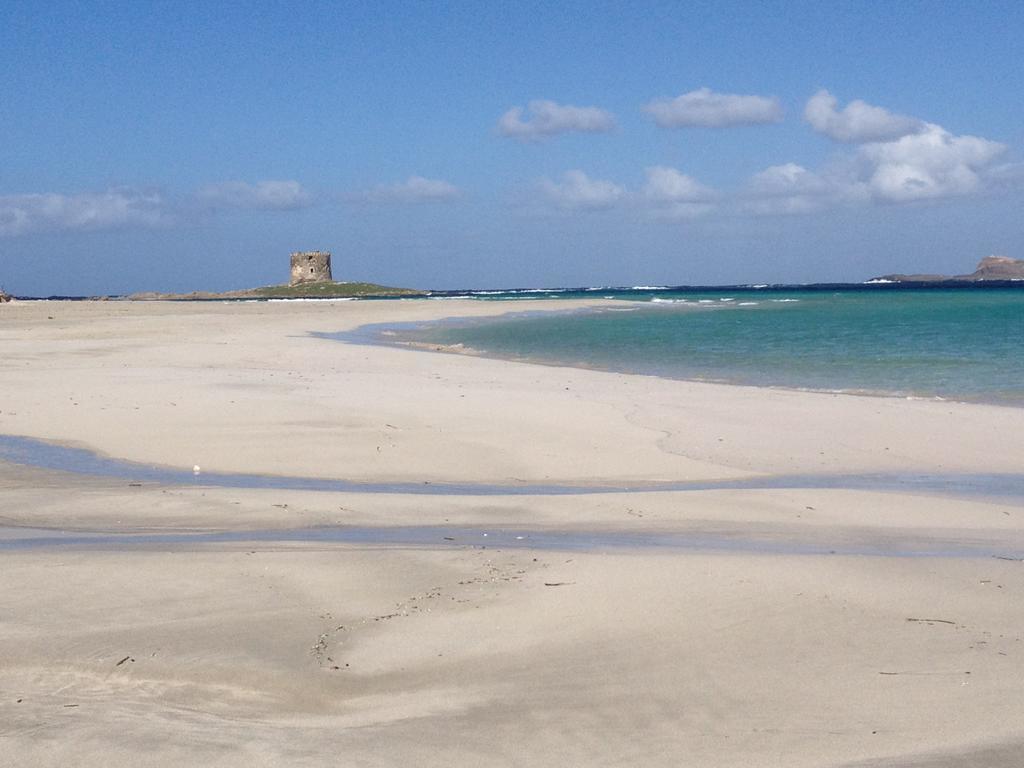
[989,268]
[4,297]
[997,268]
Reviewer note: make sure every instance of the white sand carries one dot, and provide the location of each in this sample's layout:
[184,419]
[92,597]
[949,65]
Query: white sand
[463,656]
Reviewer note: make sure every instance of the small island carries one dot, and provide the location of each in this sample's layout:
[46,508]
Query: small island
[311,278]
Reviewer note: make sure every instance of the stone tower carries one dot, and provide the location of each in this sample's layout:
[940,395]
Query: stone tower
[310,267]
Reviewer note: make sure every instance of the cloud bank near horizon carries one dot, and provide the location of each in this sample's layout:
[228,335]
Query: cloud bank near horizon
[83,212]
[125,208]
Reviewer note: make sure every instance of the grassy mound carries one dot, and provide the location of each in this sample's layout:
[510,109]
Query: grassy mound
[328,289]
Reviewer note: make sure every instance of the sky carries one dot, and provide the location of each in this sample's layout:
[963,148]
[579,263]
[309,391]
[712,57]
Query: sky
[178,146]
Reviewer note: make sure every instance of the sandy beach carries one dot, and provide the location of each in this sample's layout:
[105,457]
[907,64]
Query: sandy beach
[813,626]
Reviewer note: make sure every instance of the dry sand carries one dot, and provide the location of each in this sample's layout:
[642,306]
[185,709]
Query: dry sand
[319,653]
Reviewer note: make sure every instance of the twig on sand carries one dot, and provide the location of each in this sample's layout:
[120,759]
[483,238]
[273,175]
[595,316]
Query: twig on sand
[558,583]
[935,621]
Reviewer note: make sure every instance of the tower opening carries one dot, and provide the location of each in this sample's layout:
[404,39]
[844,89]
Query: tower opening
[310,267]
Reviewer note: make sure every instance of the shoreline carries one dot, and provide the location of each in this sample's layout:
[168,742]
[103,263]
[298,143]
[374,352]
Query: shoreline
[372,334]
[390,335]
[243,652]
[874,284]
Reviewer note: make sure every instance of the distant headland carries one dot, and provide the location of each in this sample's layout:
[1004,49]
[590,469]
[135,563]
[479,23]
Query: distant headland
[989,268]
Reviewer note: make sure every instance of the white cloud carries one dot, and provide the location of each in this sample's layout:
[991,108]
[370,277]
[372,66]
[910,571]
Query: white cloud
[577,190]
[1005,175]
[279,195]
[898,159]
[708,109]
[673,194]
[667,194]
[791,188]
[931,164]
[51,212]
[415,189]
[858,121]
[548,119]
[668,185]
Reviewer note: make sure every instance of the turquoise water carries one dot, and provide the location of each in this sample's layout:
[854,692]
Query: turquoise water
[957,344]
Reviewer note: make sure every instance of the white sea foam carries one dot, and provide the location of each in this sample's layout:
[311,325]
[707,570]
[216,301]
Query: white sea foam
[785,301]
[523,297]
[748,304]
[877,281]
[331,299]
[649,288]
[516,291]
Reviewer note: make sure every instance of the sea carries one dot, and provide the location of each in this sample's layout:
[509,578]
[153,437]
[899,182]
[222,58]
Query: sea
[963,343]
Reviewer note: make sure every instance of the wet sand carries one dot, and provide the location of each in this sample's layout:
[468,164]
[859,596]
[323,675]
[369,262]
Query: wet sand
[319,652]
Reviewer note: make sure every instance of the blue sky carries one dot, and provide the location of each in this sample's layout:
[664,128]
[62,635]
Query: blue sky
[180,146]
